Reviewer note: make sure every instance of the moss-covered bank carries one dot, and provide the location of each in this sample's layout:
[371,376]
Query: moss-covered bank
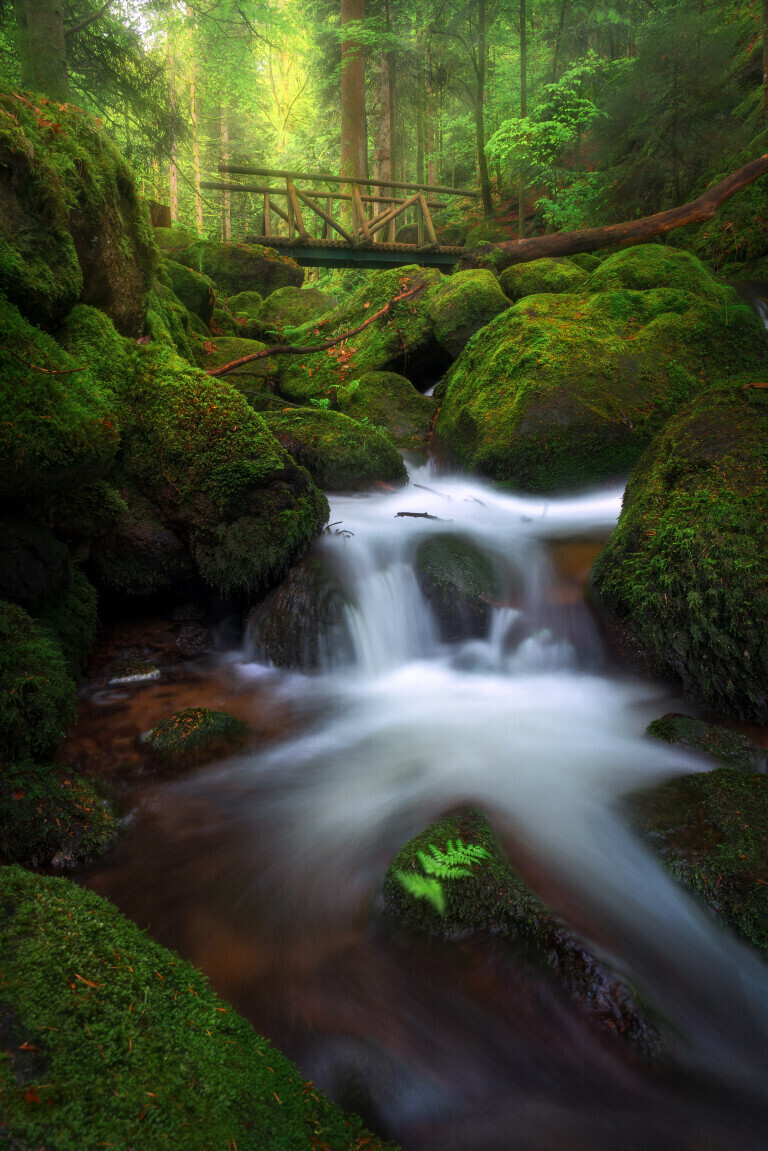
[684,572]
[113,1040]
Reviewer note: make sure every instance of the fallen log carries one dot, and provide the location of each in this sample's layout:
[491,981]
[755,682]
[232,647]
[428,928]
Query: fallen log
[636,231]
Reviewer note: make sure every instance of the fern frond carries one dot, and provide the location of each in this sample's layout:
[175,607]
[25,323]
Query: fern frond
[452,863]
[422,887]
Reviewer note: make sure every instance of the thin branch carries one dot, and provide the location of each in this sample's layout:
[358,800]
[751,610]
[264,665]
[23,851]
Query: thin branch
[88,20]
[36,368]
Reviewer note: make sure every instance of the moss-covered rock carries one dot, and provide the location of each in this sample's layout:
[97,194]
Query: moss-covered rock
[291,307]
[732,748]
[654,266]
[487,232]
[215,353]
[130,666]
[684,570]
[175,239]
[169,322]
[569,389]
[402,341]
[194,734]
[461,305]
[50,815]
[34,565]
[494,899]
[392,402]
[72,226]
[301,624]
[58,420]
[245,304]
[191,287]
[219,479]
[459,583]
[72,618]
[539,276]
[37,692]
[114,1039]
[241,267]
[587,261]
[485,256]
[338,452]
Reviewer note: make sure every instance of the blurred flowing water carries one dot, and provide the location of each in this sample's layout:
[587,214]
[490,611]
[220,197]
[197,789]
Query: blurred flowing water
[264,868]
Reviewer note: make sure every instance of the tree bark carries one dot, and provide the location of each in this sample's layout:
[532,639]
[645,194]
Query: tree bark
[523,114]
[384,143]
[765,57]
[226,209]
[482,162]
[22,35]
[354,158]
[173,170]
[42,47]
[637,231]
[196,150]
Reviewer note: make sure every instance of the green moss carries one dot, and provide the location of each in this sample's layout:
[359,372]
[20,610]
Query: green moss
[54,427]
[89,336]
[732,748]
[403,341]
[37,693]
[711,830]
[174,239]
[291,307]
[542,276]
[131,1046]
[654,266]
[221,481]
[486,256]
[131,667]
[191,287]
[569,389]
[238,268]
[194,733]
[488,232]
[461,305]
[215,353]
[338,452]
[246,304]
[50,814]
[83,512]
[588,261]
[684,569]
[392,402]
[459,582]
[72,226]
[72,618]
[169,322]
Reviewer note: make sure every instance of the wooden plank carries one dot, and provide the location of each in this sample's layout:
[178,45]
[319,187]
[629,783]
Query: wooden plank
[279,174]
[380,221]
[362,223]
[320,193]
[267,215]
[326,216]
[430,227]
[296,210]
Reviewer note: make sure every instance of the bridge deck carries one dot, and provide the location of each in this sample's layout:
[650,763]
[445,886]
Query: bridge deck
[313,253]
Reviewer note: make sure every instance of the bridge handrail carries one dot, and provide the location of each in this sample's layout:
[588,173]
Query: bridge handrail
[242,170]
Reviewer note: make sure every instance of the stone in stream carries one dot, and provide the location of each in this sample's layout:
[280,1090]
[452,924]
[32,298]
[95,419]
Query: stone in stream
[339,453]
[193,641]
[131,667]
[194,734]
[459,583]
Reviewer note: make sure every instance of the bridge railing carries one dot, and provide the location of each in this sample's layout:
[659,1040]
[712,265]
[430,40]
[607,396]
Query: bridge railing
[371,219]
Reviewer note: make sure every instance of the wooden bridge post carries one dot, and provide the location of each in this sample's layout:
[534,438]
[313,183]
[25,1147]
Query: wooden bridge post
[267,215]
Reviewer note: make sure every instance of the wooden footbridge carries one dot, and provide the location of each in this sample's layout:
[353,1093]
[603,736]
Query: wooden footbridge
[303,222]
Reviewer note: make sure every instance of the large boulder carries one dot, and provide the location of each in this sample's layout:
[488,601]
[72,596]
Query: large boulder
[459,583]
[338,452]
[37,692]
[403,341]
[34,565]
[291,307]
[241,267]
[72,227]
[195,290]
[215,353]
[392,402]
[683,574]
[568,389]
[112,1039]
[462,304]
[537,276]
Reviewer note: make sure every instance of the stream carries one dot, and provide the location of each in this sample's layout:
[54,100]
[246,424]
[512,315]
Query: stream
[265,869]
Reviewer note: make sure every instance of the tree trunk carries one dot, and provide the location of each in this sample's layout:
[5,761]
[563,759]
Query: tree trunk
[558,38]
[196,151]
[173,171]
[420,139]
[226,210]
[482,162]
[765,58]
[523,114]
[430,142]
[384,144]
[42,48]
[637,231]
[354,159]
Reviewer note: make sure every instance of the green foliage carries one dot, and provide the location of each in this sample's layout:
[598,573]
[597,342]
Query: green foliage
[194,732]
[127,1044]
[72,618]
[454,862]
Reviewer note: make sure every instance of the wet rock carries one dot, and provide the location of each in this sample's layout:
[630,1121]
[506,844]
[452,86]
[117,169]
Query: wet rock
[733,748]
[139,555]
[459,583]
[194,734]
[188,613]
[302,623]
[493,899]
[193,641]
[131,667]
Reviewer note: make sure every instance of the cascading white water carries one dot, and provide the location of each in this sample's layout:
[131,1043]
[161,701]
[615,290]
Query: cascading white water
[525,730]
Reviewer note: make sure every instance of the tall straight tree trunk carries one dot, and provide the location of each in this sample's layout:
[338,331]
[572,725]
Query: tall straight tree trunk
[196,150]
[558,38]
[765,57]
[384,143]
[523,113]
[354,151]
[173,170]
[42,47]
[482,162]
[420,140]
[226,210]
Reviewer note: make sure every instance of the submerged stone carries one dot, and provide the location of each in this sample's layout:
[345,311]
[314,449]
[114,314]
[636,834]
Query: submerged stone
[131,667]
[459,583]
[194,731]
[193,641]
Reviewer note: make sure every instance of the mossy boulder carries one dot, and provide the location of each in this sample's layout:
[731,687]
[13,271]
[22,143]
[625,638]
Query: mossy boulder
[487,232]
[37,692]
[403,341]
[486,256]
[34,565]
[58,425]
[494,899]
[115,1039]
[215,353]
[72,226]
[654,266]
[245,304]
[71,616]
[338,452]
[729,747]
[539,276]
[462,304]
[51,815]
[392,402]
[169,322]
[301,624]
[175,239]
[195,290]
[241,267]
[291,307]
[221,482]
[684,571]
[194,734]
[130,666]
[459,583]
[564,390]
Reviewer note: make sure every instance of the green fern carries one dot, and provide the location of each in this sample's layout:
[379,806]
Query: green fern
[453,863]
